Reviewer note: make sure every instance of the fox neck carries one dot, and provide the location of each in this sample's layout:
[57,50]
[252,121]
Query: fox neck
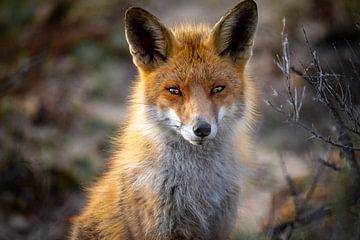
[196,186]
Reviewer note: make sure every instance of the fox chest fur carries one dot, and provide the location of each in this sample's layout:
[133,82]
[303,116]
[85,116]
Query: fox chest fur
[188,193]
[175,172]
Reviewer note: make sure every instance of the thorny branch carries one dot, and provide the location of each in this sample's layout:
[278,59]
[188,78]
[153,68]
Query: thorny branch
[324,91]
[341,100]
[291,184]
[311,191]
[283,64]
[329,164]
[344,137]
[339,103]
[311,130]
[285,229]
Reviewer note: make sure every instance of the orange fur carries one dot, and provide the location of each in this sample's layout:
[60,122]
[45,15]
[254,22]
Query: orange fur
[125,203]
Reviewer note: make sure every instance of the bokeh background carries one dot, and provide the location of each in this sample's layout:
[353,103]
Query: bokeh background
[65,73]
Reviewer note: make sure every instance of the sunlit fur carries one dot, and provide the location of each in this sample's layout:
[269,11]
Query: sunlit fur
[159,183]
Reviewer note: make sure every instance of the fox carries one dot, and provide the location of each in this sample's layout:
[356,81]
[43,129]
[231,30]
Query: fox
[175,171]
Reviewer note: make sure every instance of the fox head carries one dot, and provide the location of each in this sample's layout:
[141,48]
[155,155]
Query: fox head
[192,78]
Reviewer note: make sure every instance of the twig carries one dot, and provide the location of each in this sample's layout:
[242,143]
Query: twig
[311,191]
[337,99]
[19,75]
[344,138]
[328,140]
[312,131]
[294,195]
[305,219]
[329,164]
[340,100]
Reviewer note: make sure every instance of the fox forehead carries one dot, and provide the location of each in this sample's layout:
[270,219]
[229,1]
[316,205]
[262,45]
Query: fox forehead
[193,59]
[181,72]
[191,35]
[195,68]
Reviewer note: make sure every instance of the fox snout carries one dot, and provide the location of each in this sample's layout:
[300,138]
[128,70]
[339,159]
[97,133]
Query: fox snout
[201,131]
[196,131]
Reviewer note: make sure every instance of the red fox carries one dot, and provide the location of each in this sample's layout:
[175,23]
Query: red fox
[174,173]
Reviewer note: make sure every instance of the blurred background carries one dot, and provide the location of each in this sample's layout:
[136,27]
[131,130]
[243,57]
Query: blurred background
[65,73]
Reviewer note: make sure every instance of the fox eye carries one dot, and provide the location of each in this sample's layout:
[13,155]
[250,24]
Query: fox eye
[174,91]
[217,89]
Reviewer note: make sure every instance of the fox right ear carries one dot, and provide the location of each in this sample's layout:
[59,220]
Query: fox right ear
[233,35]
[149,41]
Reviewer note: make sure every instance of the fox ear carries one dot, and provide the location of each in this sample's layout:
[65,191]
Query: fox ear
[233,35]
[149,41]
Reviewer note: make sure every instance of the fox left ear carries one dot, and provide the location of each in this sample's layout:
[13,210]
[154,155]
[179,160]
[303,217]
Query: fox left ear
[233,35]
[149,41]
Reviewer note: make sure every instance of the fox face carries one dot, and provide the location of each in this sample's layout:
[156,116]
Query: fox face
[192,77]
[196,101]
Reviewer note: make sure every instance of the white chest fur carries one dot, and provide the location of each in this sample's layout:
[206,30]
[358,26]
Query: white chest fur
[198,189]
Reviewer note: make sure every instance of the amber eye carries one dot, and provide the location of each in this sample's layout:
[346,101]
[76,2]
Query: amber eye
[217,89]
[174,91]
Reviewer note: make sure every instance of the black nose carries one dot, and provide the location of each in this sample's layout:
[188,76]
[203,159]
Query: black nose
[202,129]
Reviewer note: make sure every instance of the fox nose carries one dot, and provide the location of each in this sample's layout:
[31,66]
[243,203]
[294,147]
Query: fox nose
[202,129]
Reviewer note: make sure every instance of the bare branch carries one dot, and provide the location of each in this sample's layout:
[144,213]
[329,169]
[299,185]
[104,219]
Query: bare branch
[291,184]
[341,100]
[309,217]
[329,164]
[311,191]
[336,97]
[344,138]
[328,139]
[19,75]
[287,232]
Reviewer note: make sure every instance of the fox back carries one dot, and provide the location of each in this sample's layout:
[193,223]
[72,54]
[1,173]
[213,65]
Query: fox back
[175,172]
